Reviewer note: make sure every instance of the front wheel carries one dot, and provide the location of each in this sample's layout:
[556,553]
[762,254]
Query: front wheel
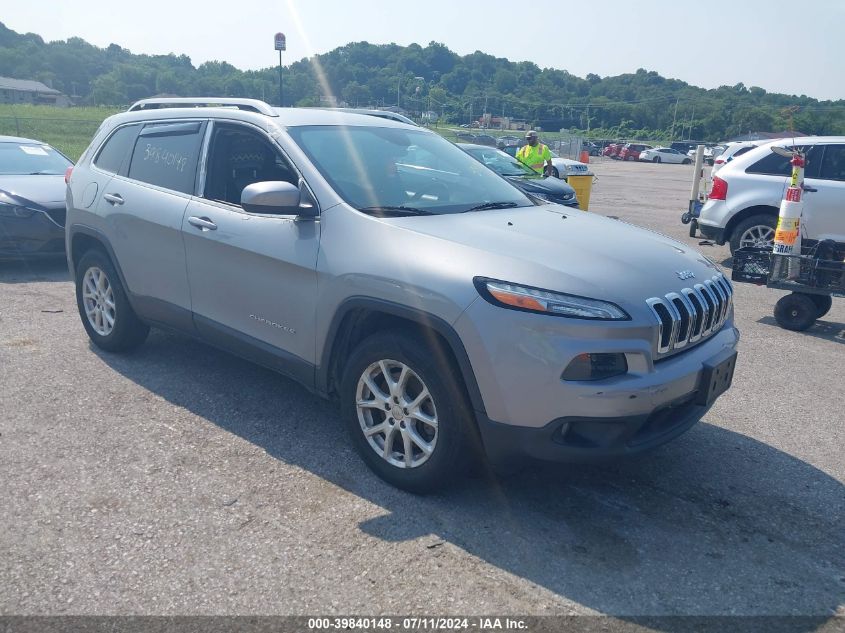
[796,312]
[686,161]
[103,306]
[407,418]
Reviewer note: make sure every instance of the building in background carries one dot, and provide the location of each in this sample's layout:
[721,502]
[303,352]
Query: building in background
[32,92]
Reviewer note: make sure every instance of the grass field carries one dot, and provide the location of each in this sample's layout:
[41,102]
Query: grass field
[67,129]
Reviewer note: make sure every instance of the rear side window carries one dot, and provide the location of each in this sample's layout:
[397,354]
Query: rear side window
[166,155]
[776,165]
[833,163]
[116,148]
[740,152]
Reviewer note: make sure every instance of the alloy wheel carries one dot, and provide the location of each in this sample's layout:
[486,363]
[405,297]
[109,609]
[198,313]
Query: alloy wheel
[397,413]
[760,236]
[98,300]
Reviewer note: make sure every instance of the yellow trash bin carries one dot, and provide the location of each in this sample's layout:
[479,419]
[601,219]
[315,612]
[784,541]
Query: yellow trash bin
[583,185]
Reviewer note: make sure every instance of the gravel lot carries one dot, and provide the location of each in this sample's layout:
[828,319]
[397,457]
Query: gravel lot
[181,480]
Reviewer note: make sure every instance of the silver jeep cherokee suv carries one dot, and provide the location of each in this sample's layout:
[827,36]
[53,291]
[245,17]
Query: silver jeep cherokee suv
[378,264]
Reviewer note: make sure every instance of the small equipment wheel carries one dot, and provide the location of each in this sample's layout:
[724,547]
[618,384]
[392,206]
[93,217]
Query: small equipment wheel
[796,312]
[823,303]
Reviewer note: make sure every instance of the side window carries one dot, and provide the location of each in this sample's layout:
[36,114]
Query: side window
[116,148]
[772,164]
[777,165]
[166,155]
[833,163]
[239,157]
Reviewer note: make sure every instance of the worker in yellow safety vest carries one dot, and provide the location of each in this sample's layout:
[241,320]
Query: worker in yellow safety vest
[536,155]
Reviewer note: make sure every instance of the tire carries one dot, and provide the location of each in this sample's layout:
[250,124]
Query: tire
[555,172]
[656,159]
[751,231]
[452,443]
[686,161]
[100,294]
[823,304]
[796,312]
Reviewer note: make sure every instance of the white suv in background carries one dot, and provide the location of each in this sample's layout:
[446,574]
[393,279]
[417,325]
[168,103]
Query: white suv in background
[742,208]
[731,152]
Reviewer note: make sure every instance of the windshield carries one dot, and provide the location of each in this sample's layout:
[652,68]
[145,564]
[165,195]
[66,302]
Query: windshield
[395,169]
[500,162]
[18,159]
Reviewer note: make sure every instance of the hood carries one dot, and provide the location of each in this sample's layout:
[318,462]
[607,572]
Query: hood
[568,251]
[547,185]
[40,190]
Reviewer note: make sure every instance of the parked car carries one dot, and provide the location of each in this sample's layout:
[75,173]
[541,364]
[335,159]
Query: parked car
[545,188]
[685,146]
[377,263]
[710,152]
[592,148]
[565,167]
[664,155]
[486,139]
[504,141]
[743,203]
[613,150]
[32,198]
[631,151]
[731,151]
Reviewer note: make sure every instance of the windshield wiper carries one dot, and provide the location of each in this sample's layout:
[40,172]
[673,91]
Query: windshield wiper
[397,210]
[493,205]
[43,173]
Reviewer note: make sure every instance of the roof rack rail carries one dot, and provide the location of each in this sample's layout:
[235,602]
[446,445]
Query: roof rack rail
[250,105]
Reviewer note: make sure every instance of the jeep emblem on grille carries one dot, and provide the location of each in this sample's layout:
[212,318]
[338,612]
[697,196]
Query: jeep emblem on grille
[685,274]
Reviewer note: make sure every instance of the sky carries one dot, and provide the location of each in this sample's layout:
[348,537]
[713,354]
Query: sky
[781,46]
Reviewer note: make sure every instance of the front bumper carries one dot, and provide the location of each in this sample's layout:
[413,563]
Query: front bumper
[589,439]
[33,236]
[529,410]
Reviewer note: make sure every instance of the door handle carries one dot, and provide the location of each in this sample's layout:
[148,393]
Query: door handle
[202,223]
[810,189]
[114,198]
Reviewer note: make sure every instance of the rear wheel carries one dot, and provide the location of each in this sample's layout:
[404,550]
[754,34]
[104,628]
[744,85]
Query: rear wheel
[796,312]
[407,419]
[686,161]
[823,304]
[103,306]
[757,231]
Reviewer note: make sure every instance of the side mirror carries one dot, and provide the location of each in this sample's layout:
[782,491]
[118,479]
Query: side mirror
[271,197]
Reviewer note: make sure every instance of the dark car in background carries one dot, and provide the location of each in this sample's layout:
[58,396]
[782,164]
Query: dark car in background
[32,198]
[549,189]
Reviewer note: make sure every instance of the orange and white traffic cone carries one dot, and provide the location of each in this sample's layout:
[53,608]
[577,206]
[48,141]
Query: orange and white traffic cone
[788,234]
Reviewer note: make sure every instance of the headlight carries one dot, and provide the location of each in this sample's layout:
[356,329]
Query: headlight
[14,211]
[507,295]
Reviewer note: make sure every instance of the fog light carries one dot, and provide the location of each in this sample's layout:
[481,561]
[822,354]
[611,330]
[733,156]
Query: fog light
[595,367]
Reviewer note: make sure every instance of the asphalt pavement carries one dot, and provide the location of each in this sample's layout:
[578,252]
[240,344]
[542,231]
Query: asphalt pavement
[182,480]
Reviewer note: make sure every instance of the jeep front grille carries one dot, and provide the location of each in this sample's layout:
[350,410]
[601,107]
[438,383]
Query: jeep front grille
[691,315]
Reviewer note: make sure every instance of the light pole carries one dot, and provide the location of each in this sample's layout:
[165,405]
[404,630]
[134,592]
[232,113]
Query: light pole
[280,44]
